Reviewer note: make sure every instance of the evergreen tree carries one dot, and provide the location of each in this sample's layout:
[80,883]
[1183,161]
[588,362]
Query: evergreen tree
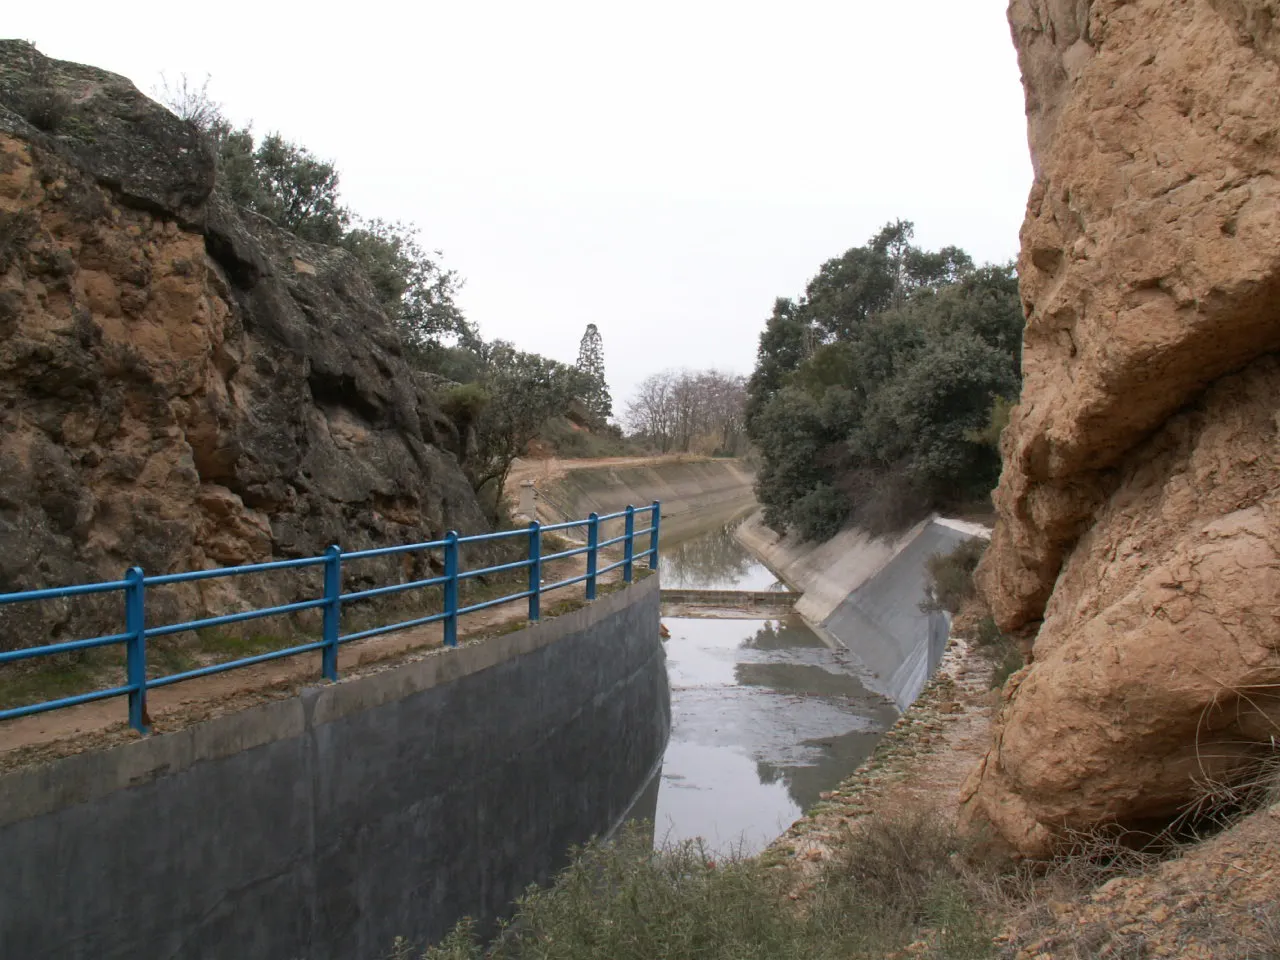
[591,362]
[880,394]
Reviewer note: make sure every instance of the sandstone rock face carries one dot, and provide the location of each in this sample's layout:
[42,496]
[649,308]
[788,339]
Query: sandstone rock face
[1140,500]
[183,385]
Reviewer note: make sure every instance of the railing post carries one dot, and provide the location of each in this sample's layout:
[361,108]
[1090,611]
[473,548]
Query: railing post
[653,536]
[593,544]
[629,544]
[332,611]
[535,570]
[135,624]
[451,589]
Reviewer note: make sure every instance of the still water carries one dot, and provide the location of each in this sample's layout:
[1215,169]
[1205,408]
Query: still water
[765,716]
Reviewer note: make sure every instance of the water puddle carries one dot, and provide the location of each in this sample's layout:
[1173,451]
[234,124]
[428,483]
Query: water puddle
[765,716]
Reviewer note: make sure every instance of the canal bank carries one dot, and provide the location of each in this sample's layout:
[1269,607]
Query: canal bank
[867,594]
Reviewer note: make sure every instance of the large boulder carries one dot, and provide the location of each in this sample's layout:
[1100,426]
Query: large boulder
[1139,507]
[183,385]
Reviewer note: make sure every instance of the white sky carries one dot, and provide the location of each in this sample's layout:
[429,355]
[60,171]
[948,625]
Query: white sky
[664,169]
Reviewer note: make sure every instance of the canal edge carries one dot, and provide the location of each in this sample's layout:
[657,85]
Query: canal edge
[922,760]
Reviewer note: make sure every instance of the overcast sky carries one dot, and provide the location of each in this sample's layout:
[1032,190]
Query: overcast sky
[664,170]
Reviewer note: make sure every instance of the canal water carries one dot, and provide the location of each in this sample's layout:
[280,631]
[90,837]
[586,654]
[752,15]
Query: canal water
[765,716]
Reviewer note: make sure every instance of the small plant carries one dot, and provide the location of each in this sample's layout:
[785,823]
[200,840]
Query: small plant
[901,881]
[951,576]
[43,104]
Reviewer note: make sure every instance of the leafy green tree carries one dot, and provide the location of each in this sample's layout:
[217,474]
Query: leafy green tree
[415,291]
[299,191]
[784,345]
[873,395]
[523,390]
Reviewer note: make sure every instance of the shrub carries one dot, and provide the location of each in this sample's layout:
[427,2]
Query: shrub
[820,513]
[898,877]
[951,576]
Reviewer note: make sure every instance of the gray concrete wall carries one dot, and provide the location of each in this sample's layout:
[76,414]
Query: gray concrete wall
[693,492]
[325,825]
[865,593]
[881,620]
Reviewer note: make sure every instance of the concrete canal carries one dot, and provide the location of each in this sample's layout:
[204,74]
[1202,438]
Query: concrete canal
[765,715]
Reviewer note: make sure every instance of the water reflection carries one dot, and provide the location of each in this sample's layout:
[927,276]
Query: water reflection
[764,717]
[714,560]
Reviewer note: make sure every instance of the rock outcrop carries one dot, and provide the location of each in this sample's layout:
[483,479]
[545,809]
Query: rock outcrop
[182,384]
[1139,509]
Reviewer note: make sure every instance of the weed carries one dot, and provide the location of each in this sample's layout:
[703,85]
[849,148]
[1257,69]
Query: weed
[50,680]
[951,576]
[900,880]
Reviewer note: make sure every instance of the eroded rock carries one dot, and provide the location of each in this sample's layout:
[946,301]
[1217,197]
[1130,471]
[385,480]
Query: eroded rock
[1138,509]
[182,384]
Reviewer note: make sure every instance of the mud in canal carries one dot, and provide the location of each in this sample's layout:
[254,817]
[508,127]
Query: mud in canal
[765,716]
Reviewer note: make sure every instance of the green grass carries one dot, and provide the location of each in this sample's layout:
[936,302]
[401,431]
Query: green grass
[23,685]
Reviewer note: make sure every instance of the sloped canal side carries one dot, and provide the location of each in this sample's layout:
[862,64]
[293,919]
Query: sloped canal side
[765,716]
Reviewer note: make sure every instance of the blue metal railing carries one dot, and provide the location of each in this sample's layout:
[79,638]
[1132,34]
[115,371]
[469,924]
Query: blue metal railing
[135,583]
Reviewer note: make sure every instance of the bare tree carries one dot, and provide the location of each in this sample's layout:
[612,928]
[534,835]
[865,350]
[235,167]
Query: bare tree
[683,410]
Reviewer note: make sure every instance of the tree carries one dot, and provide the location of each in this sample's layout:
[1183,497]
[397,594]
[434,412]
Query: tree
[522,391]
[591,363]
[414,290]
[873,395]
[287,184]
[690,410]
[298,191]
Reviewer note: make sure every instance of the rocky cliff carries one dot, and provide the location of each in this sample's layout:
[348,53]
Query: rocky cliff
[1139,507]
[182,384]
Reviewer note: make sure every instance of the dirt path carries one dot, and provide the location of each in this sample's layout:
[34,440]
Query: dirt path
[543,470]
[89,726]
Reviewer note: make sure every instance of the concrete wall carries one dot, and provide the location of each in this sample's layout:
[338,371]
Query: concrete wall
[865,593]
[325,825]
[692,492]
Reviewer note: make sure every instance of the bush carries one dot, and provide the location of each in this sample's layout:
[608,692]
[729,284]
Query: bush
[820,513]
[951,576]
[898,877]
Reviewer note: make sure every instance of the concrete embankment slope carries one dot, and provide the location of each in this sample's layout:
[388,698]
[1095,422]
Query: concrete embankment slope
[327,824]
[865,592]
[692,491]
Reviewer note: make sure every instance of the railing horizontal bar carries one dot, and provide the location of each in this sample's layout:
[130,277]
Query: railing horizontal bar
[233,664]
[53,593]
[388,551]
[564,553]
[27,711]
[493,603]
[27,652]
[394,588]
[391,628]
[551,528]
[234,618]
[330,603]
[500,535]
[563,583]
[165,578]
[517,565]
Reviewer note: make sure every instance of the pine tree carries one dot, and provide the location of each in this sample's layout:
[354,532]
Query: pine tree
[591,362]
